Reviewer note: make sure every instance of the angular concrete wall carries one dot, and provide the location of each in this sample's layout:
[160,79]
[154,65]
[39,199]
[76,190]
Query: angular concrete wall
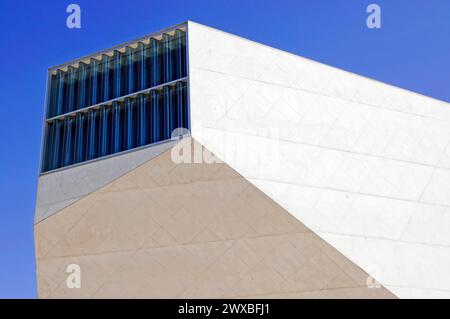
[363,164]
[59,189]
[167,230]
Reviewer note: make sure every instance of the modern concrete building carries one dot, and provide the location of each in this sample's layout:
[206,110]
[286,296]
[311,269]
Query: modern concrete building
[320,184]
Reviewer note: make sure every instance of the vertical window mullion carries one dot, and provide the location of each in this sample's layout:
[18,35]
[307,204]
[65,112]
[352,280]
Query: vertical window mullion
[129,113]
[117,73]
[166,57]
[98,133]
[71,73]
[136,121]
[154,62]
[186,110]
[56,145]
[91,135]
[60,95]
[166,112]
[142,51]
[148,65]
[183,54]
[104,130]
[49,141]
[179,105]
[53,96]
[178,65]
[124,73]
[106,69]
[80,132]
[68,141]
[94,82]
[130,71]
[142,120]
[88,85]
[154,104]
[116,127]
[81,85]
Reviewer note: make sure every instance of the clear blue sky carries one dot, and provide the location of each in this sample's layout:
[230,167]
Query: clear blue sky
[412,50]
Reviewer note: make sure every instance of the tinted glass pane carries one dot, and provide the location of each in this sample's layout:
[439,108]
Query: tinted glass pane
[95,127]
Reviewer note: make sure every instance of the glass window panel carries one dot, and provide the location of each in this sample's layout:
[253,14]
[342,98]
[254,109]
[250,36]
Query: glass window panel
[146,118]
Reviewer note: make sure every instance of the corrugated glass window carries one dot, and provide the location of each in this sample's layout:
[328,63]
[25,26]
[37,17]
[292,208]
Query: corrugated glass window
[111,128]
[118,101]
[124,72]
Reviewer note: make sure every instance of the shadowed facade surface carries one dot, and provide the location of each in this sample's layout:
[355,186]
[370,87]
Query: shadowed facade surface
[167,230]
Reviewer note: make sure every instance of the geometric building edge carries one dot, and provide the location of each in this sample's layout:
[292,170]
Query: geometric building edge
[166,230]
[363,165]
[59,189]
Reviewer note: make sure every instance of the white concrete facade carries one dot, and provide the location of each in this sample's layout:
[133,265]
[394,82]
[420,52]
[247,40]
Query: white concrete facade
[364,164]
